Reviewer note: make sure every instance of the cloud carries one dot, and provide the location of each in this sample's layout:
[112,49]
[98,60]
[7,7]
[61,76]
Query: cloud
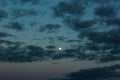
[75,53]
[72,41]
[106,43]
[78,25]
[83,24]
[110,37]
[114,22]
[23,12]
[2,34]
[109,57]
[6,42]
[63,55]
[15,25]
[95,41]
[35,53]
[14,52]
[104,73]
[49,28]
[49,53]
[10,51]
[64,9]
[106,11]
[3,14]
[61,38]
[71,12]
[115,50]
[50,47]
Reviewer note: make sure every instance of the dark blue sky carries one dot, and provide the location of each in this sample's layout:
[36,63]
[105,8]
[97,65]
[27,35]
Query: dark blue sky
[50,30]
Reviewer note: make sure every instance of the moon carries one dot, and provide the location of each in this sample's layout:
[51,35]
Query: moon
[59,48]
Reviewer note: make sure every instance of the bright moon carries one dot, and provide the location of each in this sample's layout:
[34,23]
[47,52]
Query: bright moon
[60,48]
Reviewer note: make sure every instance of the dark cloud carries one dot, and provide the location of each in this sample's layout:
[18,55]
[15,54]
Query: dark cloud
[105,73]
[61,38]
[61,55]
[35,52]
[50,47]
[110,37]
[49,28]
[99,52]
[114,22]
[13,52]
[71,11]
[64,9]
[106,43]
[100,45]
[6,42]
[72,40]
[49,53]
[115,50]
[109,57]
[75,53]
[17,54]
[15,25]
[3,14]
[78,25]
[70,53]
[93,46]
[78,7]
[106,11]
[23,12]
[2,34]
[82,25]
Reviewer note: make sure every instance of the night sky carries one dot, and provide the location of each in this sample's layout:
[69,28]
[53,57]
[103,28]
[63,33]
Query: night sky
[60,39]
